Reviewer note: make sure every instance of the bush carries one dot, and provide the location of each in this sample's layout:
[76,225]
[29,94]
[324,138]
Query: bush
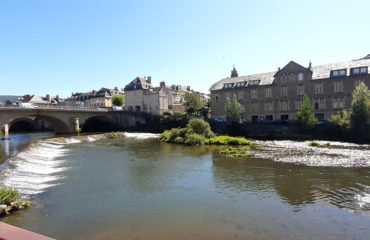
[118,100]
[201,127]
[8,196]
[226,140]
[194,139]
[316,144]
[305,116]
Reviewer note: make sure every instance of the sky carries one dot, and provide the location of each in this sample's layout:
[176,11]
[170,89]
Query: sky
[60,47]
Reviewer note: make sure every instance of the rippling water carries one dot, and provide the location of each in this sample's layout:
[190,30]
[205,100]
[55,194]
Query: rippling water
[138,188]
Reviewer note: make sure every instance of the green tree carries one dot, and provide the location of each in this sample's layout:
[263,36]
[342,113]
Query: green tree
[118,100]
[360,106]
[305,116]
[192,102]
[234,110]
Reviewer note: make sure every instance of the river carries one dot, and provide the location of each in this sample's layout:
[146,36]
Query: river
[138,188]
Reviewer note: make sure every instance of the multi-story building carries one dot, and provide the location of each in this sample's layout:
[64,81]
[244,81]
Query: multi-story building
[279,95]
[93,99]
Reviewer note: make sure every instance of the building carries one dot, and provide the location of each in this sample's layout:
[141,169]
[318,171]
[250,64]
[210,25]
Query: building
[279,95]
[93,99]
[142,96]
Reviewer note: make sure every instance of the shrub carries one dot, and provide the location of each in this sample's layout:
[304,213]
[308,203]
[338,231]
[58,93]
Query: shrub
[305,116]
[314,144]
[8,196]
[165,136]
[194,139]
[179,140]
[201,127]
[226,140]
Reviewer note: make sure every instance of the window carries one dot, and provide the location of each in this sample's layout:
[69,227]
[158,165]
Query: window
[338,86]
[318,88]
[228,85]
[268,92]
[254,94]
[338,102]
[300,76]
[254,83]
[299,103]
[359,71]
[358,82]
[300,90]
[283,92]
[254,107]
[339,73]
[291,77]
[283,79]
[240,84]
[319,103]
[216,98]
[268,106]
[284,105]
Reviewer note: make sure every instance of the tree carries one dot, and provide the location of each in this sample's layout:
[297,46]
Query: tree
[234,110]
[192,102]
[360,106]
[118,100]
[305,116]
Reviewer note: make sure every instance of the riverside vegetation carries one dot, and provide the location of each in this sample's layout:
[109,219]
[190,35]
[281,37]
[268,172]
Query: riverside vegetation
[10,201]
[198,132]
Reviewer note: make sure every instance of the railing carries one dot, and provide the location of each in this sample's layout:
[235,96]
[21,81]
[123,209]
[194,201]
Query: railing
[57,107]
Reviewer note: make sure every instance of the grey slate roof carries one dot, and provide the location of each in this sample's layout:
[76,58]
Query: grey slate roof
[318,72]
[265,79]
[323,71]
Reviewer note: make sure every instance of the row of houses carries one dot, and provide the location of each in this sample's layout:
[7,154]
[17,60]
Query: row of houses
[141,95]
[278,95]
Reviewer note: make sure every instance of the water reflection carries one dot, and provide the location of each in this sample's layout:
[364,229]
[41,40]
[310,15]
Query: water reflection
[297,185]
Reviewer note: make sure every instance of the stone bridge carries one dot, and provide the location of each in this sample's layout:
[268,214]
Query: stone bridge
[66,120]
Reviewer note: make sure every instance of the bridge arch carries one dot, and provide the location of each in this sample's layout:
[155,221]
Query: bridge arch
[58,125]
[97,123]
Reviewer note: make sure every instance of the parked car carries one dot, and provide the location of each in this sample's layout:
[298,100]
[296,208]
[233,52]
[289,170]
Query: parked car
[322,123]
[220,119]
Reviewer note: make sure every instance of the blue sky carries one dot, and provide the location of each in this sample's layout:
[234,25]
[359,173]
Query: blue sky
[60,47]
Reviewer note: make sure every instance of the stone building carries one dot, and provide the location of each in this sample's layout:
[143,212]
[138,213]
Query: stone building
[279,95]
[141,96]
[93,99]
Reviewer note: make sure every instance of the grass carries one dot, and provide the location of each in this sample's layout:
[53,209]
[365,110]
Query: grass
[236,152]
[113,135]
[8,196]
[226,140]
[316,144]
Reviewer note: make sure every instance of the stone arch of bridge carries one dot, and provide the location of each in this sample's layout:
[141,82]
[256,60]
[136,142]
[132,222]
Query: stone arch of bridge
[97,123]
[59,125]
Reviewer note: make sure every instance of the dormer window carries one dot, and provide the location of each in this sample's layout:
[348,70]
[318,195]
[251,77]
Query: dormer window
[254,83]
[240,84]
[359,71]
[228,85]
[339,73]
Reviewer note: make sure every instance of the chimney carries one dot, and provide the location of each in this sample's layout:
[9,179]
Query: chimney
[310,65]
[149,80]
[279,69]
[163,84]
[188,88]
[93,92]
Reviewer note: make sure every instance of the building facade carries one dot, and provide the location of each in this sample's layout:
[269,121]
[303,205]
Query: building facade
[279,95]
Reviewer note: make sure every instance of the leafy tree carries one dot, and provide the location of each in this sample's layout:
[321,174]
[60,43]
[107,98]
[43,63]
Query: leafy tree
[118,100]
[305,116]
[341,121]
[234,110]
[192,102]
[360,106]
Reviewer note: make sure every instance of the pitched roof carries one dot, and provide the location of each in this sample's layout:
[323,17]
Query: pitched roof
[318,72]
[323,71]
[264,78]
[138,83]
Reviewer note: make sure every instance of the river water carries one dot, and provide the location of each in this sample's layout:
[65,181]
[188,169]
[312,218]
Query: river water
[138,188]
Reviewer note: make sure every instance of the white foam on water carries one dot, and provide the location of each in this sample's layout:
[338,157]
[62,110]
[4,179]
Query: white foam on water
[337,155]
[140,135]
[34,170]
[90,139]
[363,200]
[72,140]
